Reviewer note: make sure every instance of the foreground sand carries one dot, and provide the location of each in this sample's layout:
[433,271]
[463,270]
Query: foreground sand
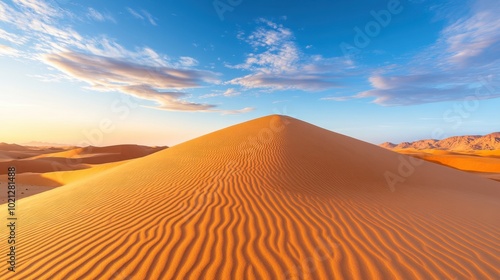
[485,163]
[273,198]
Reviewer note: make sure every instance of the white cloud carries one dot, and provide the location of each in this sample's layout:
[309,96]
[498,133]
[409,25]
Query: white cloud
[102,70]
[9,51]
[149,17]
[463,63]
[38,21]
[234,112]
[231,92]
[142,15]
[338,98]
[209,95]
[279,53]
[278,64]
[475,39]
[135,14]
[165,100]
[95,15]
[101,62]
[107,74]
[187,61]
[12,38]
[296,80]
[418,89]
[41,8]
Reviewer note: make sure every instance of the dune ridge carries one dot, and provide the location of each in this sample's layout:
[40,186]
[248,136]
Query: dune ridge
[272,198]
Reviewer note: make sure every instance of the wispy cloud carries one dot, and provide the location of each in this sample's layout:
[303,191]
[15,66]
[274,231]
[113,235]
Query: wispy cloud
[95,15]
[463,62]
[142,15]
[41,8]
[149,17]
[230,92]
[145,82]
[12,38]
[37,21]
[474,40]
[235,112]
[338,98]
[8,51]
[187,61]
[137,15]
[100,61]
[278,64]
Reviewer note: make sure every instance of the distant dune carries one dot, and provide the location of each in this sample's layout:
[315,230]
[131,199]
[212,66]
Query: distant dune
[272,198]
[476,154]
[51,160]
[13,151]
[455,143]
[41,168]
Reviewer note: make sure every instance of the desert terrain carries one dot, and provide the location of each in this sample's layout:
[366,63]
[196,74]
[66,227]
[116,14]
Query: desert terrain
[271,198]
[42,168]
[476,154]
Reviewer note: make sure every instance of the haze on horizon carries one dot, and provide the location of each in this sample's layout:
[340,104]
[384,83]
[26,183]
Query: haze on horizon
[160,73]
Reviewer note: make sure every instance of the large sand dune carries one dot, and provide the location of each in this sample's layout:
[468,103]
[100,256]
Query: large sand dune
[273,198]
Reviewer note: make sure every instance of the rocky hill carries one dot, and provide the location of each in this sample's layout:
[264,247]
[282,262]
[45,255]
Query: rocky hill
[457,143]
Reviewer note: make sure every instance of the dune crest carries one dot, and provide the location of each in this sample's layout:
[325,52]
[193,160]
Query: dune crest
[272,198]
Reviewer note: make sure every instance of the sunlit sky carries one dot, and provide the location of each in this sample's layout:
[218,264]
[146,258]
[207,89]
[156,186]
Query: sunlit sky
[162,72]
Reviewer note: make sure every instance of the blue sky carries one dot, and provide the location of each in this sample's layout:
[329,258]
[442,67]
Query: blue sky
[162,72]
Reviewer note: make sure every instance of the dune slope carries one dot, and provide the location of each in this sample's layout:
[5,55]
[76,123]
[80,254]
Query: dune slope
[273,198]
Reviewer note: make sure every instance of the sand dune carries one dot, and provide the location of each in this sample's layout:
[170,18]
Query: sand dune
[77,158]
[466,162]
[12,147]
[42,165]
[478,155]
[59,178]
[33,183]
[485,163]
[13,151]
[40,169]
[273,198]
[98,155]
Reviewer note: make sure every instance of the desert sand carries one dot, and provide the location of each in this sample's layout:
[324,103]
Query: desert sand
[272,198]
[74,159]
[33,183]
[10,152]
[40,169]
[485,163]
[476,154]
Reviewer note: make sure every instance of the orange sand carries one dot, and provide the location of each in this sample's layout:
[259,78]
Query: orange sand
[273,198]
[40,169]
[12,151]
[76,159]
[483,163]
[60,178]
